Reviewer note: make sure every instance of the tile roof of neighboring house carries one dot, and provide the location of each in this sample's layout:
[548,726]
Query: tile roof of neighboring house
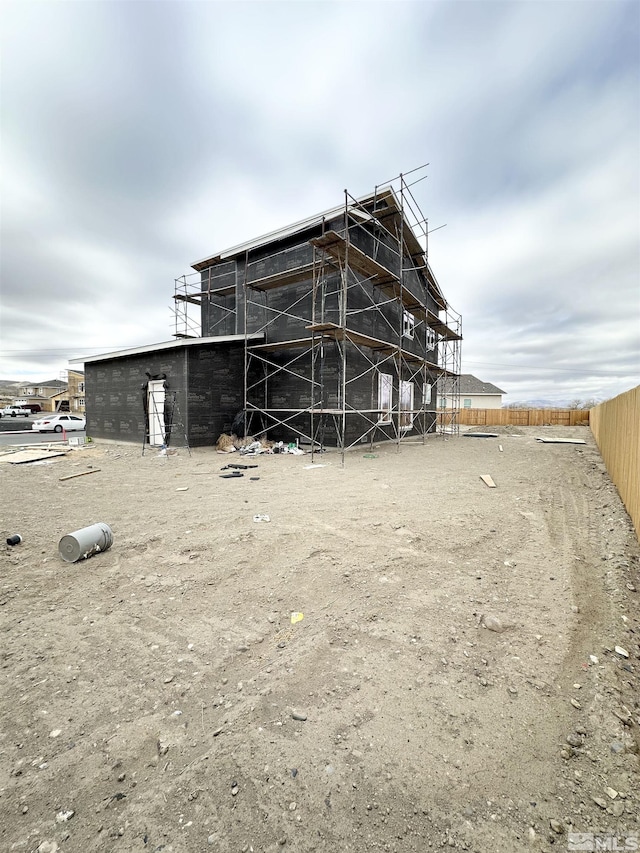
[470,384]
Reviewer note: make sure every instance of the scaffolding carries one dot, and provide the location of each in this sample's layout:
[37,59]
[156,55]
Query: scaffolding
[352,312]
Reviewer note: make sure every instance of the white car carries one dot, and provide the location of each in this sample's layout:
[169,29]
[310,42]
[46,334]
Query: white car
[58,423]
[14,412]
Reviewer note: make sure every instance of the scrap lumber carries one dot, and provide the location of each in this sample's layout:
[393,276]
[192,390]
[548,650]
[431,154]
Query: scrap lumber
[480,435]
[546,440]
[488,480]
[22,457]
[81,474]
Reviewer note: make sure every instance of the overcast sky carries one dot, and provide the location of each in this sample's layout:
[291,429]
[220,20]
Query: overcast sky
[138,137]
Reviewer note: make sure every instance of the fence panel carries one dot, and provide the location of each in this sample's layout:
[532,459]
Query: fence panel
[523,417]
[616,428]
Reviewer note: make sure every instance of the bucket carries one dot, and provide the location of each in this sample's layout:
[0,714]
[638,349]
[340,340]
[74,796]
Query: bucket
[84,543]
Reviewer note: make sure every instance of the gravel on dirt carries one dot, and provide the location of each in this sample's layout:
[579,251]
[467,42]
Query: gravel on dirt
[401,660]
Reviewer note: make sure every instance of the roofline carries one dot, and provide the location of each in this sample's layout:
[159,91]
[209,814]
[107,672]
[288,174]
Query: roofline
[294,228]
[385,192]
[167,345]
[496,393]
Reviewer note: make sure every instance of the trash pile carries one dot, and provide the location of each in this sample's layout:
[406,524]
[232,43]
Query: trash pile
[250,446]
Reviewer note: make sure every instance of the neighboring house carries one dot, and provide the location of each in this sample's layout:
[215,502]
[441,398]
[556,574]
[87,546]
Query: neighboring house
[57,395]
[71,397]
[473,393]
[43,389]
[43,393]
[333,329]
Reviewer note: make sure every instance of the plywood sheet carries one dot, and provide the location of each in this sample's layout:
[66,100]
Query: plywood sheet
[35,454]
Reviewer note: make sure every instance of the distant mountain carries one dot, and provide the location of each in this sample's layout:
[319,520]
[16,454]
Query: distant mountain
[10,384]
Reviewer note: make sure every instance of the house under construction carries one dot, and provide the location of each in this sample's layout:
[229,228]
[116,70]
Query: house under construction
[332,331]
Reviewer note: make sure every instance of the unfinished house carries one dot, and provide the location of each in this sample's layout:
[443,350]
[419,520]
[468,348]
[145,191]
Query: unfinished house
[332,331]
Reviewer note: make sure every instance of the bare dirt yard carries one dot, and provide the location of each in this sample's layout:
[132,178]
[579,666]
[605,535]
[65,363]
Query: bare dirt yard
[165,695]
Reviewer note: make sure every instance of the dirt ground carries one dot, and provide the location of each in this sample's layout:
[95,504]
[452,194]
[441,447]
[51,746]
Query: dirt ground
[160,696]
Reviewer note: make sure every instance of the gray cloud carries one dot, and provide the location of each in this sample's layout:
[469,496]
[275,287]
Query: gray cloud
[140,136]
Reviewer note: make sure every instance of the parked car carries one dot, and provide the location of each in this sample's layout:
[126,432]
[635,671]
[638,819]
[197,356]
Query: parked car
[58,423]
[33,407]
[14,412]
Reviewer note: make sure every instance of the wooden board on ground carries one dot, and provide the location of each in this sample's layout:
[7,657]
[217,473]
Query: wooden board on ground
[486,478]
[82,474]
[21,457]
[546,440]
[480,435]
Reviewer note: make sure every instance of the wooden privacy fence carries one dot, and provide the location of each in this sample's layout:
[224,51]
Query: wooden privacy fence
[616,428]
[523,417]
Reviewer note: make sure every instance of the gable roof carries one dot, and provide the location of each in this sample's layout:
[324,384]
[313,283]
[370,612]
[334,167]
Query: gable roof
[376,206]
[470,384]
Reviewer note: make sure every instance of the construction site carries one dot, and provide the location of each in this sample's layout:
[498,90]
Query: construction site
[346,331]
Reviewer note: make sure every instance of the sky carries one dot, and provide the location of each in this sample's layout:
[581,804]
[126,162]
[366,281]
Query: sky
[139,137]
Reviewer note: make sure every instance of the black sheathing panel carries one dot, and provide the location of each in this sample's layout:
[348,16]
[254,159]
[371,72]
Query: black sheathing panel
[214,378]
[216,390]
[115,392]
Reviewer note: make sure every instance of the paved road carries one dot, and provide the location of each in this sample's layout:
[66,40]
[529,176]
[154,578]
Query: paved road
[27,437]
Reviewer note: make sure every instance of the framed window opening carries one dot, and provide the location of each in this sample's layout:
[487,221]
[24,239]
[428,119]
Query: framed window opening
[408,325]
[385,397]
[406,405]
[426,393]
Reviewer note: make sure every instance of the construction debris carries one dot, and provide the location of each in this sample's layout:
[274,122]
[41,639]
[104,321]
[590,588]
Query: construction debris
[81,474]
[561,440]
[32,454]
[231,443]
[486,478]
[481,435]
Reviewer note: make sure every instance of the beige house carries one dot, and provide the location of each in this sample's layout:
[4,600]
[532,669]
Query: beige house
[474,394]
[71,399]
[57,395]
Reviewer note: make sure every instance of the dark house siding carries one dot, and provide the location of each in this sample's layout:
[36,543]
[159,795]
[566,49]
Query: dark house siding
[207,381]
[283,312]
[237,296]
[216,391]
[114,392]
[293,392]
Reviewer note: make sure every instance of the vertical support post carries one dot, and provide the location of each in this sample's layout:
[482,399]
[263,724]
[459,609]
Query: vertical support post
[246,345]
[343,323]
[314,287]
[400,360]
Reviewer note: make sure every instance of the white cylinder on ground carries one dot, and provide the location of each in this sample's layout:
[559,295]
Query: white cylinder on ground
[85,542]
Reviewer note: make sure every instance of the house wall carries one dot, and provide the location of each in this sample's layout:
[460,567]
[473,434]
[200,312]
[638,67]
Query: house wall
[287,391]
[216,390]
[478,401]
[114,392]
[209,386]
[284,312]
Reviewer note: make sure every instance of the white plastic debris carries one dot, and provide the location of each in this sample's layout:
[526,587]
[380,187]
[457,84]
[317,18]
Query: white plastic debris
[64,816]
